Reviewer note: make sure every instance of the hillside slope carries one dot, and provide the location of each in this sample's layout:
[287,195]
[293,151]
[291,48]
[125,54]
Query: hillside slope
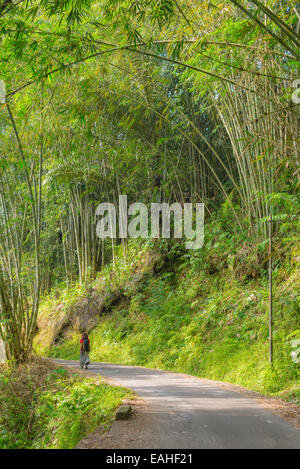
[200,312]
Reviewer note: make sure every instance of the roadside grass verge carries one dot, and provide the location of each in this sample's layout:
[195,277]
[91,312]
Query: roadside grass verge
[45,406]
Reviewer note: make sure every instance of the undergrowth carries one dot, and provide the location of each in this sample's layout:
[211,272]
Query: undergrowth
[45,406]
[202,312]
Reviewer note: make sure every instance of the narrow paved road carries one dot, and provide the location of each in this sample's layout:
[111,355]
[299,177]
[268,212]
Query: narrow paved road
[188,412]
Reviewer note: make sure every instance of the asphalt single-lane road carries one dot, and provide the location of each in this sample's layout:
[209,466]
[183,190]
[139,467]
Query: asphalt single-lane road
[189,412]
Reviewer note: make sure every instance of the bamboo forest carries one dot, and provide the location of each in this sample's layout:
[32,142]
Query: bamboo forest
[149,226]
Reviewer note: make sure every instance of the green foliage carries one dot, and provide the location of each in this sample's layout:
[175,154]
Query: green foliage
[159,100]
[78,408]
[44,407]
[196,316]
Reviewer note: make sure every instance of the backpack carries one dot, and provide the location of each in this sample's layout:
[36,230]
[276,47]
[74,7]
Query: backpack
[86,345]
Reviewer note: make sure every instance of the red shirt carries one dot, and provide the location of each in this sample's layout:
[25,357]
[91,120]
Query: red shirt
[81,341]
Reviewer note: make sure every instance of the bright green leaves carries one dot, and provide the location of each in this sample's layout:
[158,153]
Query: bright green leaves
[71,11]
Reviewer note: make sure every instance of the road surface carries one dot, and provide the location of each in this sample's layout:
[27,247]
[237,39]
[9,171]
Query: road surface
[188,412]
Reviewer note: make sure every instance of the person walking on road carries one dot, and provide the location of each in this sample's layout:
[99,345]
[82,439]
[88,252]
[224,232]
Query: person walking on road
[84,351]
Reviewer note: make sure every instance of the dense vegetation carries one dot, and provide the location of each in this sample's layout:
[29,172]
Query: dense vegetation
[43,406]
[164,101]
[193,312]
